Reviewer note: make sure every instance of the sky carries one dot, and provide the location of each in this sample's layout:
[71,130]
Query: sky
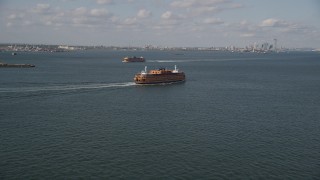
[166,23]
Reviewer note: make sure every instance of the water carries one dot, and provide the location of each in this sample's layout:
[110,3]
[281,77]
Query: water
[237,116]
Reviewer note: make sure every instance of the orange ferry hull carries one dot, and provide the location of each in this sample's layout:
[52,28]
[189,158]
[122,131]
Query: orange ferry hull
[133,59]
[159,78]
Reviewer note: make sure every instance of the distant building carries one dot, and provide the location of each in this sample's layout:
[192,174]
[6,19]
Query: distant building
[67,47]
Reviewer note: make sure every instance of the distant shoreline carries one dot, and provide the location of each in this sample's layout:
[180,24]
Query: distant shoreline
[12,47]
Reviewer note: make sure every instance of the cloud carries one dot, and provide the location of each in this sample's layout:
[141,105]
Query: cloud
[167,15]
[17,19]
[130,21]
[170,19]
[285,26]
[206,9]
[9,24]
[80,11]
[197,8]
[196,3]
[45,15]
[16,16]
[184,19]
[99,12]
[79,20]
[143,13]
[236,5]
[270,28]
[139,22]
[104,1]
[90,18]
[213,21]
[41,8]
[182,4]
[248,35]
[274,23]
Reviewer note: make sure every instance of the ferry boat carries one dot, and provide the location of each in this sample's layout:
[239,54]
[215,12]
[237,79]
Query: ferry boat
[159,76]
[133,59]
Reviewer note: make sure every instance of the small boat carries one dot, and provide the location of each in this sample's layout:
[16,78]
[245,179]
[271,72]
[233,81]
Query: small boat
[133,59]
[159,76]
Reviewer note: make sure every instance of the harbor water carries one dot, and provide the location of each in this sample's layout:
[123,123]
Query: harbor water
[237,116]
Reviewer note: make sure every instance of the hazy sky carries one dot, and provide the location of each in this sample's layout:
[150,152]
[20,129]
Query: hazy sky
[205,23]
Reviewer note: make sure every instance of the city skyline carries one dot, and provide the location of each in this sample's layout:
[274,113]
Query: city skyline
[183,23]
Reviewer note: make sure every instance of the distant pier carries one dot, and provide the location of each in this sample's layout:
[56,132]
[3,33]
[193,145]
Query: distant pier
[4,65]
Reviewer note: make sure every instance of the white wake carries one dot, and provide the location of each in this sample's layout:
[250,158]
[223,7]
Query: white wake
[203,60]
[66,87]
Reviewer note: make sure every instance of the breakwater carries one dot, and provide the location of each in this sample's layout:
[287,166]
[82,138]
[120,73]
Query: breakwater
[4,65]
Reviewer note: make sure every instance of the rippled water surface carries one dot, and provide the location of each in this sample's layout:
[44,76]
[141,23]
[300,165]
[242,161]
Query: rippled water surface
[237,116]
